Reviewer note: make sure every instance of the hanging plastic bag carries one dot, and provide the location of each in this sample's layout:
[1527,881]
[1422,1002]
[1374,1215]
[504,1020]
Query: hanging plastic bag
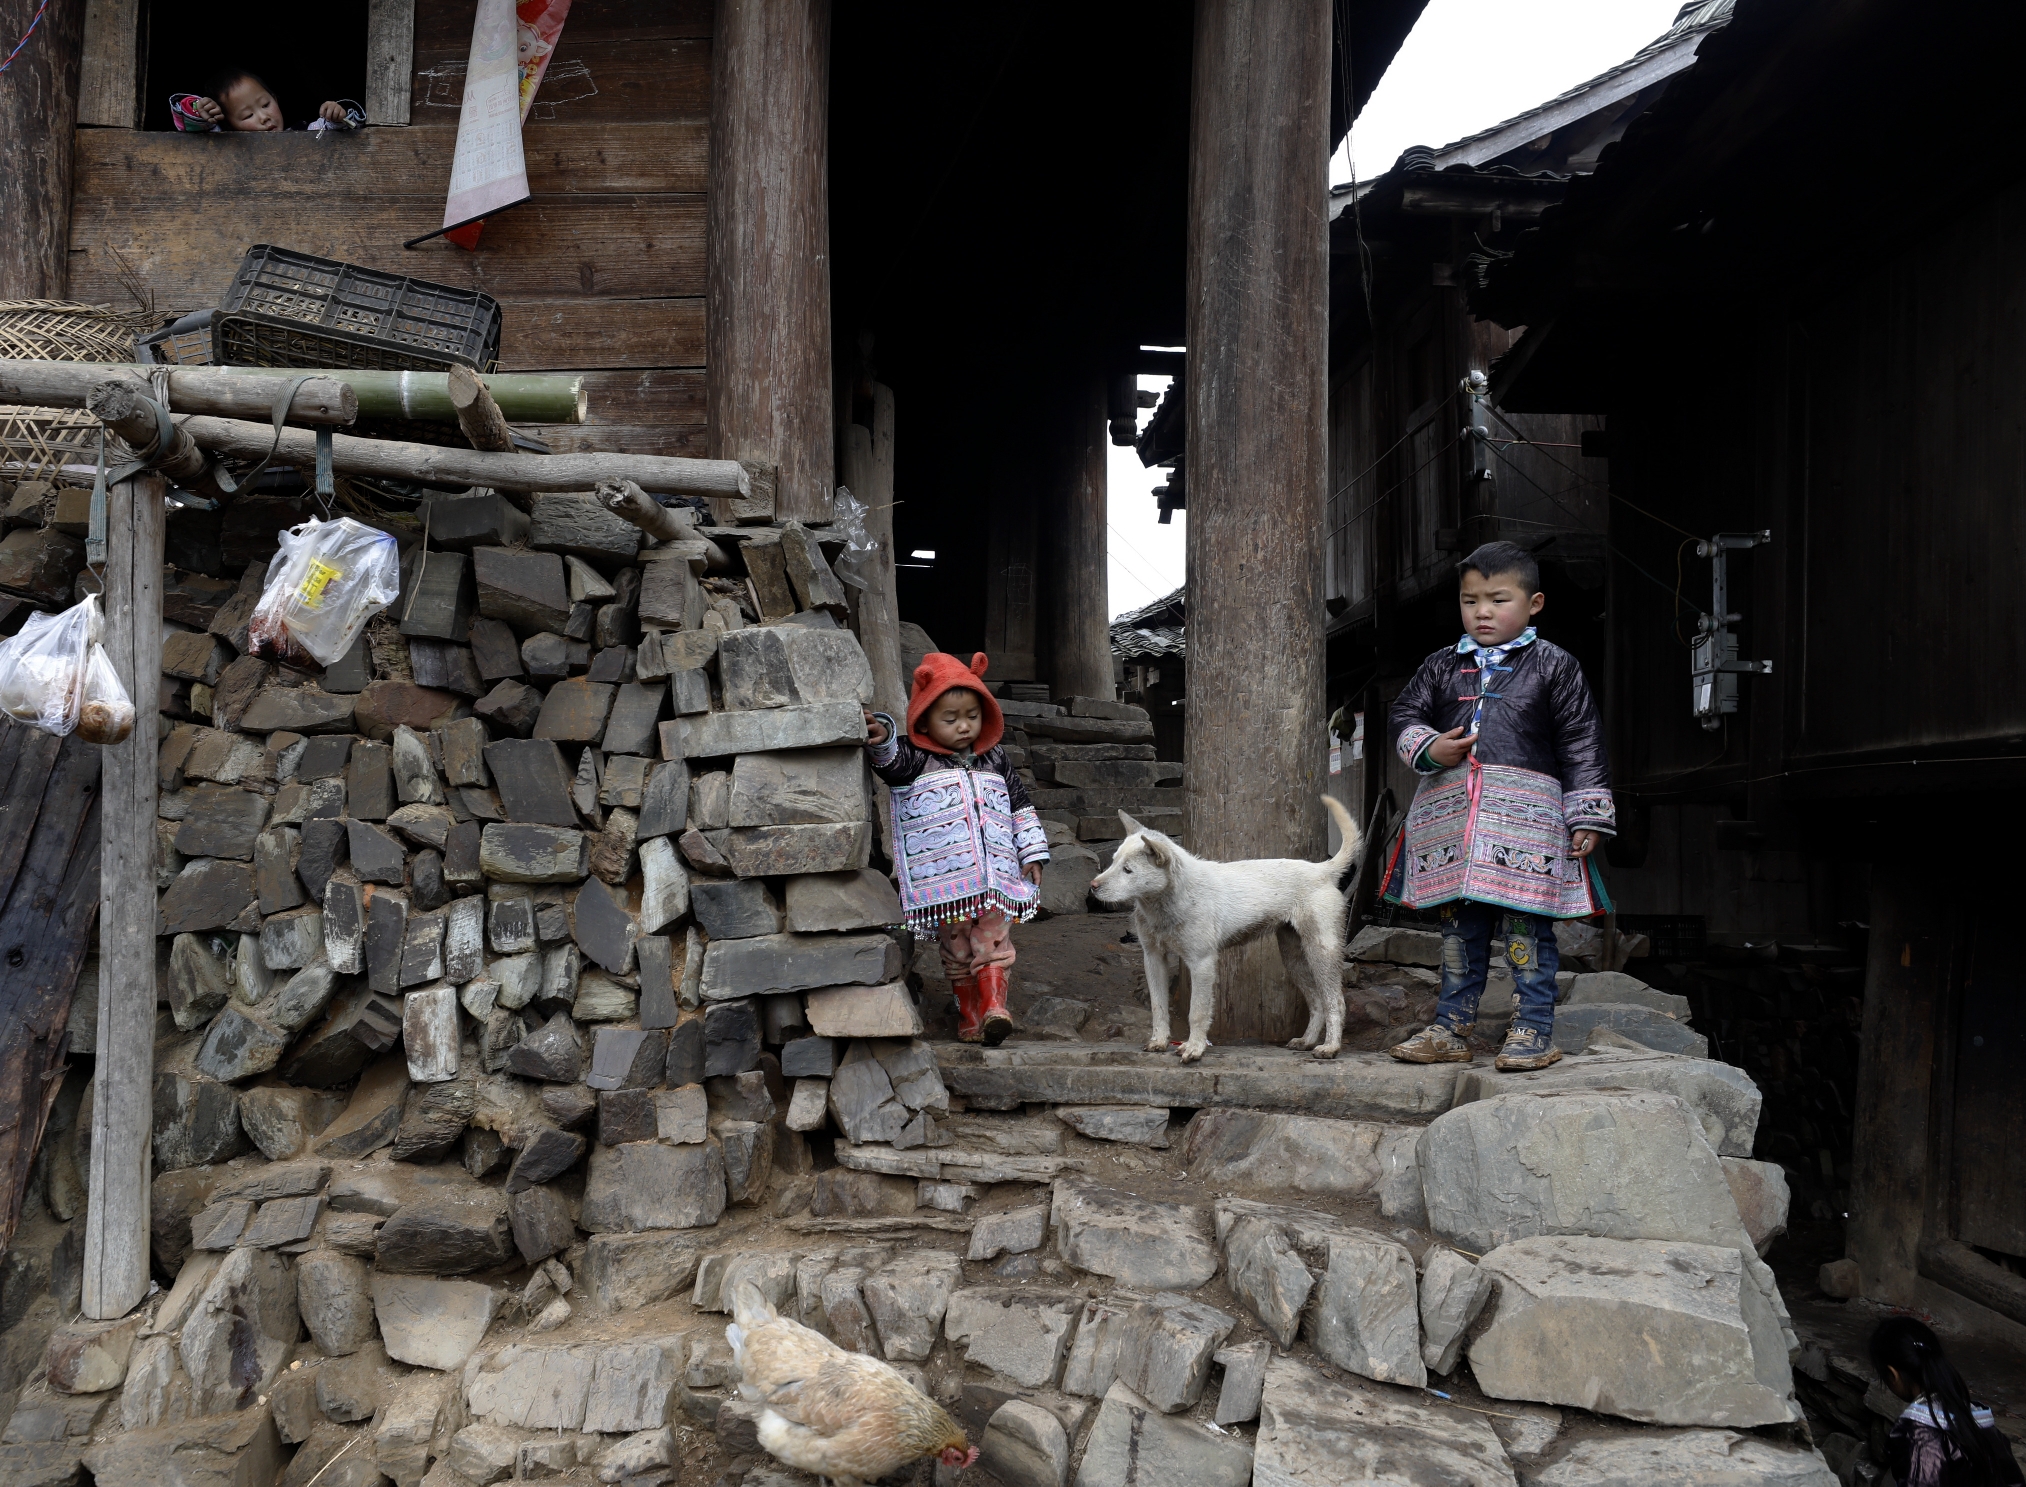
[332,577]
[42,670]
[107,716]
[847,518]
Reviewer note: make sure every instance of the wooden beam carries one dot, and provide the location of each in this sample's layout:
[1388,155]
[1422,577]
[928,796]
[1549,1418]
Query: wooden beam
[767,310]
[430,464]
[390,60]
[1079,572]
[116,1224]
[1258,296]
[38,119]
[220,390]
[109,80]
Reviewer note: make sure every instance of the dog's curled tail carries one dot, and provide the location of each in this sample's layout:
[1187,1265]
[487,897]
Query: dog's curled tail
[1353,838]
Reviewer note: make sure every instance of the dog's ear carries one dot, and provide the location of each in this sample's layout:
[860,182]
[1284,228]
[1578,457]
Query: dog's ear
[1155,846]
[1130,824]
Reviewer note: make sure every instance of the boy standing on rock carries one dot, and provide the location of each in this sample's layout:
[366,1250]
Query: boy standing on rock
[968,847]
[1514,797]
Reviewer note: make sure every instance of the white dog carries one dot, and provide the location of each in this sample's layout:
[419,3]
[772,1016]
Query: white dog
[1186,910]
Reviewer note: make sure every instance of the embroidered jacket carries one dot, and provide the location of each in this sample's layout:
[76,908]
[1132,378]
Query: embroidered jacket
[1920,1452]
[963,827]
[1496,828]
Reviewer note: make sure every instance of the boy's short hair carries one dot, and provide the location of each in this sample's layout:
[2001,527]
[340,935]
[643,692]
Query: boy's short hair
[224,79]
[1495,558]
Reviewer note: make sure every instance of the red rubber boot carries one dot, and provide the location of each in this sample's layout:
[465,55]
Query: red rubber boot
[970,1019]
[996,1021]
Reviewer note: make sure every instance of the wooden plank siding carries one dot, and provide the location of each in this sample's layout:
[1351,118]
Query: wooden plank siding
[49,894]
[602,272]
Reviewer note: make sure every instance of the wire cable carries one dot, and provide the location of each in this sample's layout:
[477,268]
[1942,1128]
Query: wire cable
[25,35]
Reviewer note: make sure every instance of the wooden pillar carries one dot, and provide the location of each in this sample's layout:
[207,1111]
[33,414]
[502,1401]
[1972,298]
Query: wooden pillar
[38,128]
[1257,337]
[767,311]
[1011,557]
[879,627]
[116,1223]
[1078,556]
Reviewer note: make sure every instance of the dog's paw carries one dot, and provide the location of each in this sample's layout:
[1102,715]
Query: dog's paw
[1301,1045]
[1193,1050]
[1327,1050]
[1158,1045]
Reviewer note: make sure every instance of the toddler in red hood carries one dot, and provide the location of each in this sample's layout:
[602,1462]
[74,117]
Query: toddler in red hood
[968,848]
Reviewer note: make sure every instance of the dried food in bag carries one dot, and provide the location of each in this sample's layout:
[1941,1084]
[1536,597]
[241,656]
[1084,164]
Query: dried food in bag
[43,669]
[331,578]
[107,716]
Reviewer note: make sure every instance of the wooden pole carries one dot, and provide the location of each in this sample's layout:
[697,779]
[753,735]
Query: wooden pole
[485,427]
[767,313]
[116,1223]
[38,126]
[1080,616]
[127,410]
[1257,334]
[879,606]
[431,464]
[217,390]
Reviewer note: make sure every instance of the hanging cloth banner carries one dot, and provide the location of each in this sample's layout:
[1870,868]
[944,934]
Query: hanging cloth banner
[488,173]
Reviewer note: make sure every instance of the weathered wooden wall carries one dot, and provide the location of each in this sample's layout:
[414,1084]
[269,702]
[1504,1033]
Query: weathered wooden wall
[602,272]
[49,894]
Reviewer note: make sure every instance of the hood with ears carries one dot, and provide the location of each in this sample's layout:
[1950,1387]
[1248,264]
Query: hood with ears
[937,673]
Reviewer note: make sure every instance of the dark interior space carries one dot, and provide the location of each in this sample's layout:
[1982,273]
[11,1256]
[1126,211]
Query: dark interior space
[304,56]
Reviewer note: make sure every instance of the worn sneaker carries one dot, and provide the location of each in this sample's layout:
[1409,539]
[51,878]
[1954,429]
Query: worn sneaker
[1526,1048]
[1434,1044]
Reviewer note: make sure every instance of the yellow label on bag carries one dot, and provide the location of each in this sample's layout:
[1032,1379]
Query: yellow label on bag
[316,581]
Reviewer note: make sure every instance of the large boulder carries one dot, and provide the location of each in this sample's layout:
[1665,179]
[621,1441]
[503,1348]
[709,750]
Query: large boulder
[1615,1164]
[1313,1432]
[1159,1246]
[1664,1333]
[1724,1098]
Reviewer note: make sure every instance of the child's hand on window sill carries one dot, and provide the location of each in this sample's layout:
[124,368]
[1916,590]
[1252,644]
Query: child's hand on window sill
[332,112]
[208,110]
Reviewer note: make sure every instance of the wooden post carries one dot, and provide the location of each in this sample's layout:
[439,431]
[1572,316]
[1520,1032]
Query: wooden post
[1011,539]
[879,610]
[116,1223]
[767,311]
[1079,559]
[38,122]
[1257,333]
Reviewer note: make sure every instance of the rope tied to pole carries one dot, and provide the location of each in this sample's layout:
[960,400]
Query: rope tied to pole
[25,35]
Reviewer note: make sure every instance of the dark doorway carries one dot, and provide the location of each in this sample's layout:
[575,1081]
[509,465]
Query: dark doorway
[304,54]
[1989,1146]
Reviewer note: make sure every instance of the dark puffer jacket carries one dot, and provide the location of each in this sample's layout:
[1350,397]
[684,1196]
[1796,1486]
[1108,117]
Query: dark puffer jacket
[1542,717]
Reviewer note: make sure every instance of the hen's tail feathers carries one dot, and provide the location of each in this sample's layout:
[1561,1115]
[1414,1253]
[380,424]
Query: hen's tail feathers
[1353,838]
[750,1309]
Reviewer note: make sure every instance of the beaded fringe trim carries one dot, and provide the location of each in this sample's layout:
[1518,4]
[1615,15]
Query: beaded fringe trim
[925,920]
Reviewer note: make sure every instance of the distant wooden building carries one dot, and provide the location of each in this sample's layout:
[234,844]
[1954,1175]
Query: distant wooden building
[1409,491]
[1794,291]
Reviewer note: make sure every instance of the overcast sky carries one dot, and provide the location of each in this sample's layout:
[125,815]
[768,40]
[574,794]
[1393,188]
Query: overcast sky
[1467,65]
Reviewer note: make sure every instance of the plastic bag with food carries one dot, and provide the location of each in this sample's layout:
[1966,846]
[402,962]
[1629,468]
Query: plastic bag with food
[107,716]
[42,670]
[331,578]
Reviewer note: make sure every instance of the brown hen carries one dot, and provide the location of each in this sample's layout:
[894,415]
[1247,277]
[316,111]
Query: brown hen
[844,1416]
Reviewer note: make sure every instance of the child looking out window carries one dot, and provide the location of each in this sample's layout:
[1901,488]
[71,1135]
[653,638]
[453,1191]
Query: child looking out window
[236,100]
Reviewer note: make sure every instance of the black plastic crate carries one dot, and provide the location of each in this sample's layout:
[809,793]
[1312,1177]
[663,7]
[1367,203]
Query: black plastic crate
[288,309]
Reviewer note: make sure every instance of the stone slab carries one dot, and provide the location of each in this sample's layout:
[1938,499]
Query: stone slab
[719,735]
[1315,1433]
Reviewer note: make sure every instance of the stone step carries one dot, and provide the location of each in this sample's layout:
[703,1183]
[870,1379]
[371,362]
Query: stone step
[948,1163]
[1102,799]
[1361,1086]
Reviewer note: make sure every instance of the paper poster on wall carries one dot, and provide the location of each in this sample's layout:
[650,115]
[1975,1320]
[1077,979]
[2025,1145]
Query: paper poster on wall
[488,173]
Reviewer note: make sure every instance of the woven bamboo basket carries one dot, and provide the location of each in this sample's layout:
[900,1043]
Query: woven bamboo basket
[36,443]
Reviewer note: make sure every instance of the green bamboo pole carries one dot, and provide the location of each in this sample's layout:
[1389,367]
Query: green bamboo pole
[524,397]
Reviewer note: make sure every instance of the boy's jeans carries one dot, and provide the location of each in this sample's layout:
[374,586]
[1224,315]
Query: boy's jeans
[1530,952]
